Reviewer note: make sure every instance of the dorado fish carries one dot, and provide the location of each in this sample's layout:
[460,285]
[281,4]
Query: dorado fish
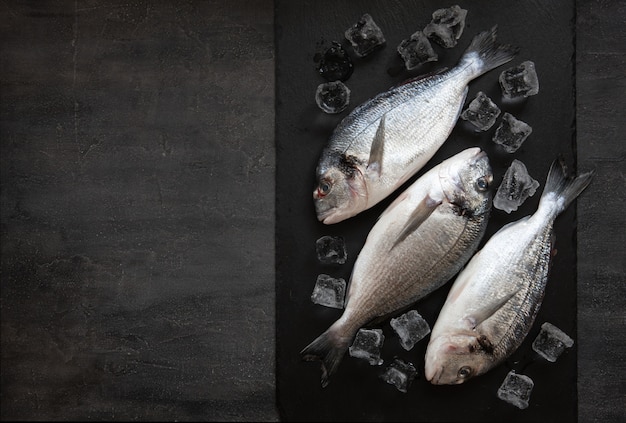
[418,243]
[389,138]
[493,302]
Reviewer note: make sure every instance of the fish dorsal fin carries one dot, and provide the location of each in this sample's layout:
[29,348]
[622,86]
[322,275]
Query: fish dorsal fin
[418,216]
[375,162]
[423,76]
[489,307]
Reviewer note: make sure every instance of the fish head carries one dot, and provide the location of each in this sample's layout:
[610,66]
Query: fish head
[454,359]
[465,180]
[340,191]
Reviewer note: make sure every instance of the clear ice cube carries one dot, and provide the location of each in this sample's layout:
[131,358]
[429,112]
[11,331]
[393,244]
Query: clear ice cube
[367,345]
[331,249]
[481,112]
[335,63]
[365,36]
[410,328]
[400,374]
[332,97]
[551,342]
[416,50]
[511,133]
[516,186]
[516,389]
[329,291]
[519,81]
[446,26]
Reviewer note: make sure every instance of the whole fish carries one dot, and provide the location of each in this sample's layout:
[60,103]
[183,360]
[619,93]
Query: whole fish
[418,243]
[493,302]
[389,138]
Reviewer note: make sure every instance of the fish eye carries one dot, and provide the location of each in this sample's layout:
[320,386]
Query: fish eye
[323,188]
[482,184]
[464,372]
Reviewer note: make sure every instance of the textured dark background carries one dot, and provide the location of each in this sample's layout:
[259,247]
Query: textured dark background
[302,130]
[137,210]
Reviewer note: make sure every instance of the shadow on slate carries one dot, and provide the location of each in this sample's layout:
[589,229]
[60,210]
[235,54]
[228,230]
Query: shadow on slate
[545,35]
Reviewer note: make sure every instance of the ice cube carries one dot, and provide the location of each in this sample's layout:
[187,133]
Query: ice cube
[335,64]
[516,389]
[446,26]
[365,36]
[332,97]
[516,186]
[511,133]
[519,81]
[329,292]
[416,50]
[400,374]
[410,328]
[367,345]
[481,112]
[551,342]
[331,249]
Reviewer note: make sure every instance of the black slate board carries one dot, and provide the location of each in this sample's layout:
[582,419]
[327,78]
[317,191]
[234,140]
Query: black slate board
[545,35]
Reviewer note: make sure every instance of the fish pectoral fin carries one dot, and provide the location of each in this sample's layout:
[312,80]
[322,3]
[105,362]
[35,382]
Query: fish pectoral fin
[419,215]
[489,309]
[375,162]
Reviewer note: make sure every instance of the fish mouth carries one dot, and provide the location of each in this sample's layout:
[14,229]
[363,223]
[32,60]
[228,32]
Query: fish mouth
[434,375]
[327,215]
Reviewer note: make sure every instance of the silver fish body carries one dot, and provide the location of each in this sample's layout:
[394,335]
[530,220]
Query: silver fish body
[389,138]
[493,302]
[419,242]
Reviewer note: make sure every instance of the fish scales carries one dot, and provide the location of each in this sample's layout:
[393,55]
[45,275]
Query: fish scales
[418,243]
[495,299]
[389,138]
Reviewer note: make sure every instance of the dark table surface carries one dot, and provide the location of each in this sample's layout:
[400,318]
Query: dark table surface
[137,210]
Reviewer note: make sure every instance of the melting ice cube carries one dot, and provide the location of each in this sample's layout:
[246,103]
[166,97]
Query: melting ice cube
[446,26]
[481,112]
[335,64]
[519,81]
[400,374]
[411,328]
[329,292]
[331,249]
[516,186]
[365,36]
[551,342]
[516,389]
[332,97]
[367,345]
[511,133]
[416,50]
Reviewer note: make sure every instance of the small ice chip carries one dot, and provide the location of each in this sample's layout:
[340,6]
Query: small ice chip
[551,342]
[400,374]
[446,26]
[365,36]
[516,186]
[511,133]
[331,249]
[335,64]
[332,97]
[416,51]
[519,81]
[410,328]
[516,389]
[329,292]
[481,112]
[367,345]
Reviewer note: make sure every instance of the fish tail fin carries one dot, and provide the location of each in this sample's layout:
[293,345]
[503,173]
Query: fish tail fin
[562,189]
[484,54]
[329,348]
